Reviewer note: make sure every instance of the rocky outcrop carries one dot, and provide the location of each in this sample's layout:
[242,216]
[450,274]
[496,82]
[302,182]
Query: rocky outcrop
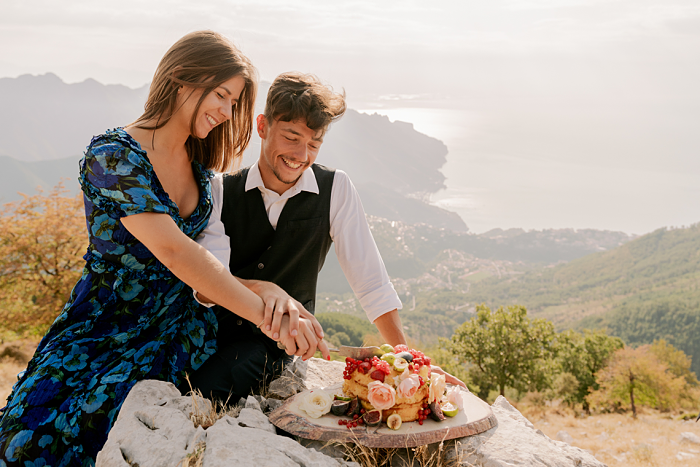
[515,441]
[155,428]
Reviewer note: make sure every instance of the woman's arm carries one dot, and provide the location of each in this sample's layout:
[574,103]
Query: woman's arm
[199,269]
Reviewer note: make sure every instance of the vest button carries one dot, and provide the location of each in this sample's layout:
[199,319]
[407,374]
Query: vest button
[239,322]
[261,265]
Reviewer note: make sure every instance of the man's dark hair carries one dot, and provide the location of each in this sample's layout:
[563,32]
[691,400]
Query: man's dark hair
[295,95]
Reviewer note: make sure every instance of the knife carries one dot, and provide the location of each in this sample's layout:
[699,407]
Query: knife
[358,353]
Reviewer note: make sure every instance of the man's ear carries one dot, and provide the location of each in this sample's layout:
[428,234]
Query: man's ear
[262,125]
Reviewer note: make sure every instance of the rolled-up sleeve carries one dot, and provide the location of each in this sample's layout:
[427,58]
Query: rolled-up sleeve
[357,252]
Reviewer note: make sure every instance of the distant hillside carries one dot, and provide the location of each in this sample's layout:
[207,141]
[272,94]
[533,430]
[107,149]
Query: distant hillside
[647,289]
[411,250]
[44,119]
[24,177]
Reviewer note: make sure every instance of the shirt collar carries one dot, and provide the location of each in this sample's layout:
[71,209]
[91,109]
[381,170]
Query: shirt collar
[307,181]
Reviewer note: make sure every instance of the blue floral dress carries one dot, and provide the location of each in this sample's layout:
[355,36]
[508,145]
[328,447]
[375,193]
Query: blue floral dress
[128,318]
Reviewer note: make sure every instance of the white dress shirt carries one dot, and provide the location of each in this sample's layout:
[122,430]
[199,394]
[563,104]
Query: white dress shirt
[354,245]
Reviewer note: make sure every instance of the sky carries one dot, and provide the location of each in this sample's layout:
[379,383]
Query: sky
[556,113]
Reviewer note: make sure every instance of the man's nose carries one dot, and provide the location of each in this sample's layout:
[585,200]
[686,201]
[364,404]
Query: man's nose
[301,153]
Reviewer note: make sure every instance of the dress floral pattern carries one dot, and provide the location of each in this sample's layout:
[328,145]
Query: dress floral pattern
[128,318]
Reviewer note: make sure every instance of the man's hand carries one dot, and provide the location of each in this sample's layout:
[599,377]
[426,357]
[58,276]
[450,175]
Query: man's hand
[305,343]
[279,303]
[448,377]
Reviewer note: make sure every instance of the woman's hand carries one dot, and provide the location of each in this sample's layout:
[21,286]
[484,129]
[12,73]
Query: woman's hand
[304,344]
[279,303]
[448,377]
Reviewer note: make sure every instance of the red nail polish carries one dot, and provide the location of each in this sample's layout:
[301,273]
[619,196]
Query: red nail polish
[328,358]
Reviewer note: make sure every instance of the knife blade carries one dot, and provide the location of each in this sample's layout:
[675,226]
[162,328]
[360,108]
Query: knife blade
[357,353]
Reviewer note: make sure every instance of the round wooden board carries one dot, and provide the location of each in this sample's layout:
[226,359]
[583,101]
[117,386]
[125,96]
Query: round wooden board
[476,417]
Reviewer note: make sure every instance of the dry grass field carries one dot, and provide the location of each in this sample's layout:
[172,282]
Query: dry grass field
[14,357]
[653,439]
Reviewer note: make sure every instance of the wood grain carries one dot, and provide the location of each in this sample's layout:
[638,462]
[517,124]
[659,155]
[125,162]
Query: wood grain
[476,418]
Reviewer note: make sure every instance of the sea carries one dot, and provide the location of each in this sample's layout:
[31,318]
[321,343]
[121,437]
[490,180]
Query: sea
[505,173]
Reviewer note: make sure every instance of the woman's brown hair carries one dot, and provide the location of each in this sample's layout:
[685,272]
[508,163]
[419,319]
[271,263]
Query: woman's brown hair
[204,59]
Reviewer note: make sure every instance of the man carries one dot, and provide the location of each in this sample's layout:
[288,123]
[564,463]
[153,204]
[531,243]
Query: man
[277,219]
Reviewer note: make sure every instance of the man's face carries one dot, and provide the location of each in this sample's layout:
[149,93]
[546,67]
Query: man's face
[286,150]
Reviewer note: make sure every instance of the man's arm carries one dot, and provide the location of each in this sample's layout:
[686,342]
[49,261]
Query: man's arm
[363,267]
[389,326]
[359,257]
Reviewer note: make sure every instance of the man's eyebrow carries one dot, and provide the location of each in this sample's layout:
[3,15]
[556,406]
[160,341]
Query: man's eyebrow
[296,133]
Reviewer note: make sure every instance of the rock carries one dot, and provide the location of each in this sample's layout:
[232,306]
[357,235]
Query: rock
[515,441]
[299,367]
[154,429]
[289,382]
[151,429]
[565,436]
[230,445]
[689,437]
[252,403]
[682,456]
[272,404]
[322,373]
[251,418]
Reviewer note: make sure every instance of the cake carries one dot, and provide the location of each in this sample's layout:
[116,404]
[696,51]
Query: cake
[398,382]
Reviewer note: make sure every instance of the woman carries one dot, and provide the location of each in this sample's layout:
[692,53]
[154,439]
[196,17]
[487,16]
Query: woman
[132,315]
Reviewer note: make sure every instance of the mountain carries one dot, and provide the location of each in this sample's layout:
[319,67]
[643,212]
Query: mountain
[44,119]
[646,289]
[410,251]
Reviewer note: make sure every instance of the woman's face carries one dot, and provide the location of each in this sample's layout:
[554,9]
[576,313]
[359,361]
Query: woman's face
[216,108]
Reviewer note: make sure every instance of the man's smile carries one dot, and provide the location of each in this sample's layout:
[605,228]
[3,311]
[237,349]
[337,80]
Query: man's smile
[290,163]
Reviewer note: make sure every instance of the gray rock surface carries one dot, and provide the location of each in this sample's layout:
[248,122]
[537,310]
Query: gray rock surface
[229,444]
[515,441]
[154,429]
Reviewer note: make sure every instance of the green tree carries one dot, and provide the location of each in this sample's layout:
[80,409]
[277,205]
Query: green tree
[583,356]
[349,329]
[506,348]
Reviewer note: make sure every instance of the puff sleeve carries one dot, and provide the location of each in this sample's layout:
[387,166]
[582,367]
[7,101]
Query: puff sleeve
[120,180]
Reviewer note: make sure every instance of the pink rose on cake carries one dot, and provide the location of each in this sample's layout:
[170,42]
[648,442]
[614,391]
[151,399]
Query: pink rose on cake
[409,384]
[381,395]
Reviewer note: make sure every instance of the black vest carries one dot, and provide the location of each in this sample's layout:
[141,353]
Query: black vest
[290,256]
